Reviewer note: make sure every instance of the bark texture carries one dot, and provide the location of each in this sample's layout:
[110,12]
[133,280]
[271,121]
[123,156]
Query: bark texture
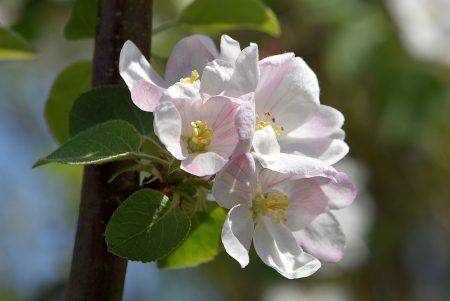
[95,273]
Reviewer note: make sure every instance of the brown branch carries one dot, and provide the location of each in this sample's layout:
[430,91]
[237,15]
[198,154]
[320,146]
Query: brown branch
[97,274]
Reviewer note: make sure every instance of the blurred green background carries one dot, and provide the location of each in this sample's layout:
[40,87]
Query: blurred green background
[384,64]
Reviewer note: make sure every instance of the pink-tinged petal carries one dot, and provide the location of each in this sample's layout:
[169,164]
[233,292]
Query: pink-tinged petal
[277,247]
[215,77]
[203,164]
[289,91]
[328,150]
[340,191]
[220,112]
[276,60]
[306,201]
[167,126]
[323,238]
[294,165]
[146,95]
[265,142]
[236,182]
[246,73]
[181,91]
[229,49]
[237,233]
[322,124]
[245,126]
[190,53]
[133,66]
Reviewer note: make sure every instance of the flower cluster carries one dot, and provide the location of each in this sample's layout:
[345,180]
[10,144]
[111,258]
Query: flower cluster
[258,127]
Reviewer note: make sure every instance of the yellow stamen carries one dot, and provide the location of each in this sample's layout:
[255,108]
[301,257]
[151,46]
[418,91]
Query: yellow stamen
[201,136]
[274,205]
[194,79]
[260,124]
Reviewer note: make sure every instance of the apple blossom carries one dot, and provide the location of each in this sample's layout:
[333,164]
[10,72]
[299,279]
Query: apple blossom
[185,64]
[200,133]
[289,115]
[287,217]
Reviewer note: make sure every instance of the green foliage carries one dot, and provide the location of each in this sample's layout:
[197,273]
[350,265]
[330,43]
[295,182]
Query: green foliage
[230,14]
[203,242]
[69,84]
[107,103]
[110,141]
[13,46]
[146,227]
[83,20]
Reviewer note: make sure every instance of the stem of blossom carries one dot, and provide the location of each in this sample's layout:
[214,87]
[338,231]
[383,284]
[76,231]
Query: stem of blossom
[152,158]
[95,273]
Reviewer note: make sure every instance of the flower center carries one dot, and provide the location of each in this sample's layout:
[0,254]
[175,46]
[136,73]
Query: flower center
[194,79]
[201,136]
[271,204]
[267,120]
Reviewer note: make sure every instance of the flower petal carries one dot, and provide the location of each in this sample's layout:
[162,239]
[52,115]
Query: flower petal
[322,124]
[146,95]
[278,249]
[289,91]
[229,49]
[237,233]
[236,182]
[190,53]
[245,126]
[328,150]
[203,164]
[246,73]
[341,191]
[232,78]
[265,142]
[294,164]
[306,201]
[133,66]
[167,126]
[323,238]
[215,77]
[181,91]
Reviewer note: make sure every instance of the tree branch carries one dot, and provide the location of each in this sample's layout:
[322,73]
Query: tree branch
[95,273]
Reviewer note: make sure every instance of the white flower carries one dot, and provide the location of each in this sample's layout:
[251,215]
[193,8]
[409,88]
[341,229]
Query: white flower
[287,217]
[186,63]
[290,119]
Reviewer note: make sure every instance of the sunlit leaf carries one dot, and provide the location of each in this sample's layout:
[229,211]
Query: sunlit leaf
[202,244]
[146,227]
[107,103]
[231,14]
[83,20]
[13,46]
[69,84]
[110,141]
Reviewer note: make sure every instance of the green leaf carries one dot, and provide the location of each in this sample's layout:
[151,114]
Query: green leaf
[13,46]
[230,14]
[202,244]
[145,227]
[110,141]
[69,84]
[83,20]
[107,103]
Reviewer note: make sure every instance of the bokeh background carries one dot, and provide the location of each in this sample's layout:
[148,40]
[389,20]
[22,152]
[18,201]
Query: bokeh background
[384,64]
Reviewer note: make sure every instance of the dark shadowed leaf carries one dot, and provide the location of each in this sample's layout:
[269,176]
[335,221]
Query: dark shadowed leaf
[110,141]
[145,227]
